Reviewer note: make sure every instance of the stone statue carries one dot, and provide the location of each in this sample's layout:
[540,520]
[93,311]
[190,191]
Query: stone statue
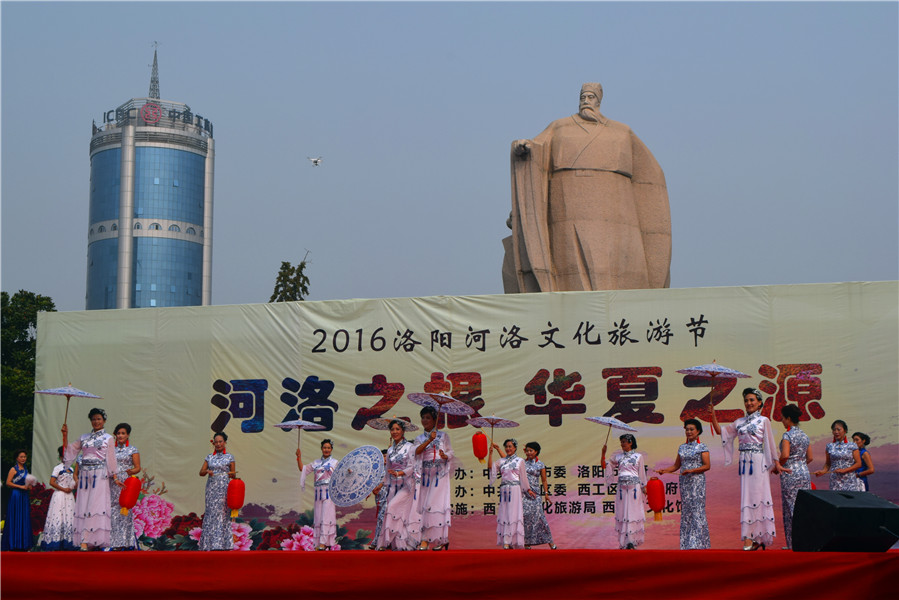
[589,208]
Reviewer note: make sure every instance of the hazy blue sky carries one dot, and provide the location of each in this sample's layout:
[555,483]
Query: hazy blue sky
[775,124]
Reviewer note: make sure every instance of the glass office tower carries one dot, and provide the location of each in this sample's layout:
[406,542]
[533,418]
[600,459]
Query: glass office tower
[150,231]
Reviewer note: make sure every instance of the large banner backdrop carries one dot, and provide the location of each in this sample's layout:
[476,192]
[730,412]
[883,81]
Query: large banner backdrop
[544,360]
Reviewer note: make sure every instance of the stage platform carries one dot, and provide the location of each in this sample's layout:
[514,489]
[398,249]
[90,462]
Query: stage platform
[459,574]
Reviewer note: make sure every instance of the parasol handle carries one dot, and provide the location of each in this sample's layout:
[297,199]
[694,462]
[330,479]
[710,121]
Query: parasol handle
[606,443]
[299,431]
[66,418]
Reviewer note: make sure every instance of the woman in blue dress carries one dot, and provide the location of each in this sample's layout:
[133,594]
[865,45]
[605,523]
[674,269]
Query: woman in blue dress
[795,456]
[220,469]
[693,461]
[842,460]
[17,532]
[862,440]
[536,529]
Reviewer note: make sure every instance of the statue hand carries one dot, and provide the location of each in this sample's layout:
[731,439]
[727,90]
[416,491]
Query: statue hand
[521,148]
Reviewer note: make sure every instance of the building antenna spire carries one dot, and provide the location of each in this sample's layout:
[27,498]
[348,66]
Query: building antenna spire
[154,77]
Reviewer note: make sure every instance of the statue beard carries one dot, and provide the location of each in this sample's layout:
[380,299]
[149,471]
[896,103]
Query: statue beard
[589,113]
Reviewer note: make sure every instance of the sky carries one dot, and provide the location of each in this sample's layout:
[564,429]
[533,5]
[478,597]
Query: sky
[775,124]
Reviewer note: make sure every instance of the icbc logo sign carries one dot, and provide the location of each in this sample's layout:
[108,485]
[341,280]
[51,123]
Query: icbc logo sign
[150,113]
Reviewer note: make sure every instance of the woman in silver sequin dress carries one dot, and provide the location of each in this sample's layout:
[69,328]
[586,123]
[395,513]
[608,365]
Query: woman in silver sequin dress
[693,461]
[127,464]
[795,456]
[842,460]
[536,529]
[219,468]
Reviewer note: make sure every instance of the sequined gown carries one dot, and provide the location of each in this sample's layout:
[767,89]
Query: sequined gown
[841,458]
[216,529]
[797,479]
[630,498]
[536,529]
[694,527]
[325,513]
[757,454]
[513,486]
[92,504]
[122,535]
[434,503]
[59,529]
[17,531]
[402,521]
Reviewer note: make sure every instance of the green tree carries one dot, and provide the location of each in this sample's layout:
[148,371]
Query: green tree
[18,344]
[292,283]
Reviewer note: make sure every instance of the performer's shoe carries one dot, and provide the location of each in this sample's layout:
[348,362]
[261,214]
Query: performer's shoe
[630,547]
[526,547]
[552,546]
[507,547]
[441,547]
[422,546]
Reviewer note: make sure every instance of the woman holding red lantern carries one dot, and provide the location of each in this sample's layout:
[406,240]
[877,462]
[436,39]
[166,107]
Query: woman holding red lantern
[513,485]
[324,520]
[693,461]
[630,514]
[127,465]
[758,458]
[402,521]
[219,468]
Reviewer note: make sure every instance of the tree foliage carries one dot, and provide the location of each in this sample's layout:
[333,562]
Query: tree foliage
[292,283]
[18,344]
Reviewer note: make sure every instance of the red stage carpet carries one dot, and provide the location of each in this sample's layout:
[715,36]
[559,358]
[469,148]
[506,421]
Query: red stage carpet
[475,574]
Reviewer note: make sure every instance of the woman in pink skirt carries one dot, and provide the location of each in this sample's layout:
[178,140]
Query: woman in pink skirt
[93,522]
[513,483]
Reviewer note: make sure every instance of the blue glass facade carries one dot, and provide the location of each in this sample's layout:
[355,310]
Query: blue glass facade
[168,186]
[167,272]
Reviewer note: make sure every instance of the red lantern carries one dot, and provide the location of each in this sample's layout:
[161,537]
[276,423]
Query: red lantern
[128,497]
[655,494]
[479,446]
[236,492]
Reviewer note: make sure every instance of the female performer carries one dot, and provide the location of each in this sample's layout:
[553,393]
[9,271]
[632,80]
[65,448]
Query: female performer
[92,504]
[630,514]
[434,450]
[219,467]
[536,529]
[842,460]
[380,493]
[862,440]
[128,464]
[325,514]
[757,457]
[693,461]
[402,522]
[17,532]
[513,485]
[795,456]
[59,528]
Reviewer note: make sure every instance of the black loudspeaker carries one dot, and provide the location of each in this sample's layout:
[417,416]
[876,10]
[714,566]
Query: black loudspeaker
[827,521]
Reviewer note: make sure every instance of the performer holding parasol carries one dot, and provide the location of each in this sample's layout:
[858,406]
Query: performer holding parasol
[513,477]
[630,514]
[325,514]
[98,463]
[435,451]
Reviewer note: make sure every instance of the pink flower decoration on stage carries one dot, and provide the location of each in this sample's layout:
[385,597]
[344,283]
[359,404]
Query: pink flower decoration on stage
[152,516]
[240,533]
[302,540]
[195,533]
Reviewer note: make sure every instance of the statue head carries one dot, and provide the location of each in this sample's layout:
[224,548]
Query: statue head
[591,97]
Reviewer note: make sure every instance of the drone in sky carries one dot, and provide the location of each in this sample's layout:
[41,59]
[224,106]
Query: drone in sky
[315,161]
